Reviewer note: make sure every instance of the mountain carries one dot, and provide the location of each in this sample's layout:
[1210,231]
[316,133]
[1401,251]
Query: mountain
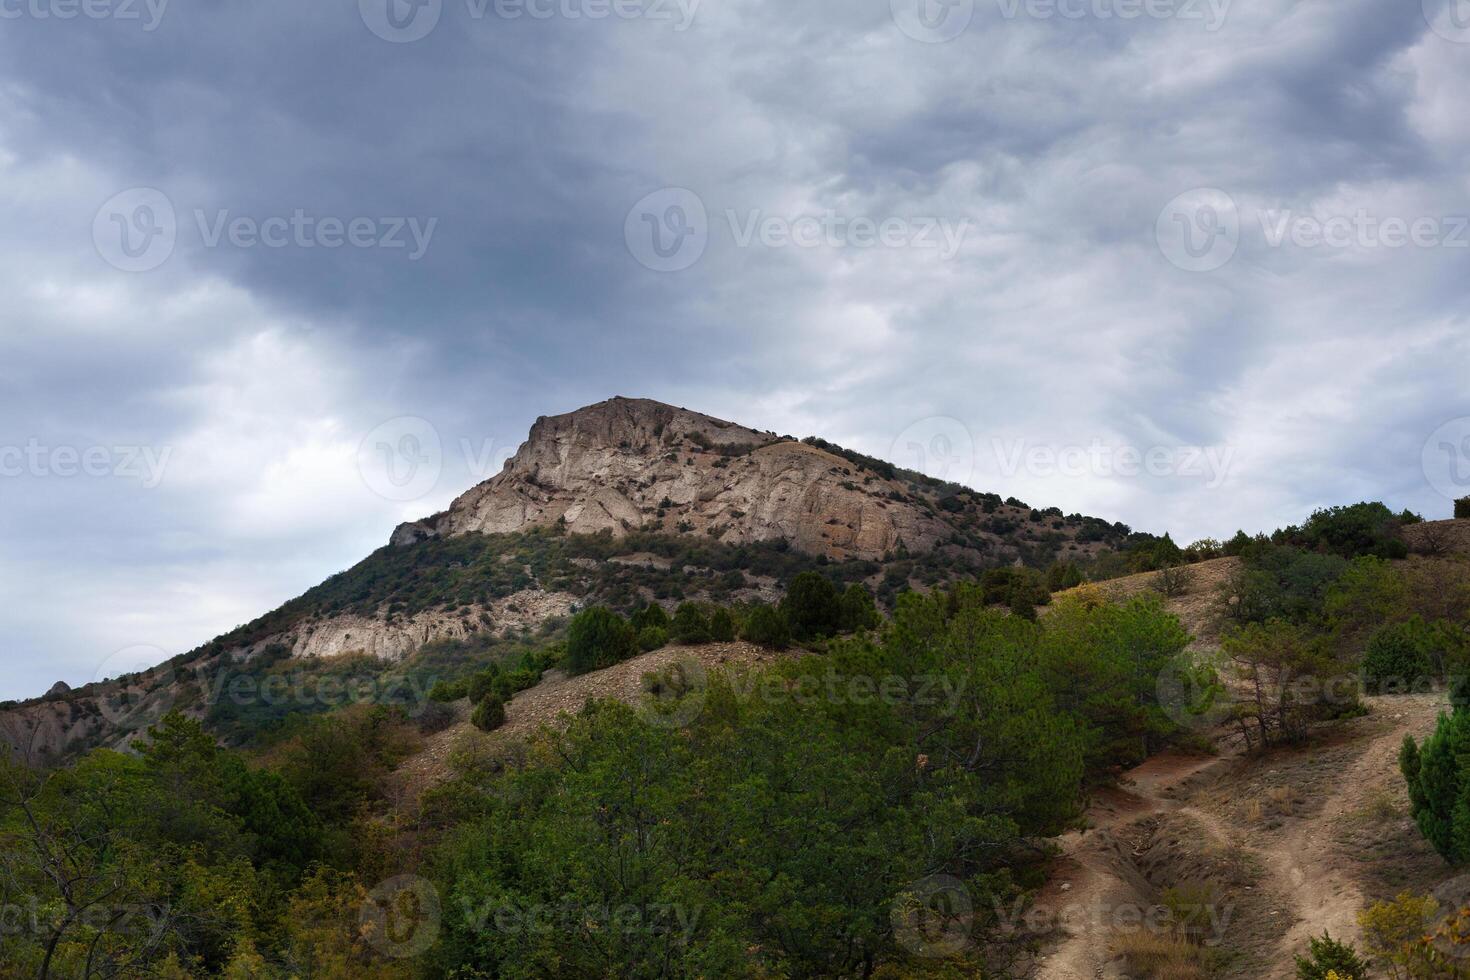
[618,503]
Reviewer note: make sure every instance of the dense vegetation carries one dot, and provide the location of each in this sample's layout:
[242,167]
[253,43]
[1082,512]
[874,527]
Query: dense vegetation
[816,816]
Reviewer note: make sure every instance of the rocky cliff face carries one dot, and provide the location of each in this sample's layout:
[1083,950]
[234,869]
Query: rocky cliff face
[630,464]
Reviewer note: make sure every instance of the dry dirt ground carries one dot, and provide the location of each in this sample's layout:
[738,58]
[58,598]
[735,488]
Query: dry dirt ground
[1196,608]
[1288,845]
[556,697]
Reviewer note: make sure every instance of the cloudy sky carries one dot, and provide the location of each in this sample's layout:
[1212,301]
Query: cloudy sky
[1190,264]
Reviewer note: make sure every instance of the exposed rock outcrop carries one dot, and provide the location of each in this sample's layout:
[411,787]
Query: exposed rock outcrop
[629,464]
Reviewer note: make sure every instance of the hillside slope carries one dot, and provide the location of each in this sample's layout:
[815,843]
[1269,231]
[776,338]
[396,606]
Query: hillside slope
[619,503]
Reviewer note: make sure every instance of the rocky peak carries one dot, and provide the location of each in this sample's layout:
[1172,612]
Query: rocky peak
[628,464]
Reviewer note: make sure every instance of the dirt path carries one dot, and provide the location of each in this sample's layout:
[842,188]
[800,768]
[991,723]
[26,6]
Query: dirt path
[1089,879]
[1307,820]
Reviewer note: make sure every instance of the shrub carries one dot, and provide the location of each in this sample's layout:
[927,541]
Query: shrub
[1063,575]
[1436,778]
[1173,580]
[812,607]
[650,615]
[1399,658]
[767,627]
[1326,956]
[597,638]
[652,638]
[858,610]
[1462,509]
[489,714]
[481,684]
[721,625]
[1396,934]
[1361,529]
[690,625]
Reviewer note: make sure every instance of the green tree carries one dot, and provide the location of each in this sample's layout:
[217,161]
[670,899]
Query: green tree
[651,615]
[690,625]
[598,638]
[766,626]
[858,610]
[489,714]
[812,607]
[1439,792]
[1399,658]
[1325,956]
[721,625]
[652,638]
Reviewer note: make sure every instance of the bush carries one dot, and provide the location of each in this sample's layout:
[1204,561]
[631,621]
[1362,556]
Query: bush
[1399,658]
[721,625]
[858,611]
[481,684]
[1462,509]
[652,638]
[489,714]
[812,607]
[1173,581]
[1436,779]
[650,615]
[597,638]
[690,625]
[766,627]
[1326,955]
[1361,529]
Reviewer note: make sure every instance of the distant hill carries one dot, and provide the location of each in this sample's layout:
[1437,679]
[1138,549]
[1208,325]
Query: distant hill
[618,503]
